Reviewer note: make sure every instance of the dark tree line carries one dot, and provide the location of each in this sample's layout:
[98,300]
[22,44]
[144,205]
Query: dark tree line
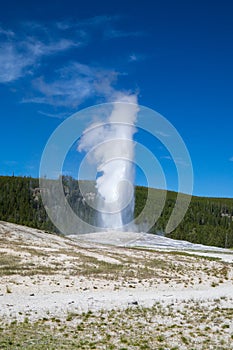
[21,203]
[208,220]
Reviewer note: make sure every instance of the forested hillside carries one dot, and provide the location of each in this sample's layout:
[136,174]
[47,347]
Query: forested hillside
[20,202]
[207,221]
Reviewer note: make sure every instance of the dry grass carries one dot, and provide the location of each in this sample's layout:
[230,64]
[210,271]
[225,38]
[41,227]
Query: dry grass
[192,325]
[33,264]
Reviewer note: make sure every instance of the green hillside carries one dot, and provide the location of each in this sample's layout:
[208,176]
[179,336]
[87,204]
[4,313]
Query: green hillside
[208,220]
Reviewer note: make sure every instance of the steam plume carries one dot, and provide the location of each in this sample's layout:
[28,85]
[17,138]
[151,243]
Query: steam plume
[110,146]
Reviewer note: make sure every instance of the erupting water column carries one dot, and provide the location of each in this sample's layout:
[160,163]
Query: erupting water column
[112,149]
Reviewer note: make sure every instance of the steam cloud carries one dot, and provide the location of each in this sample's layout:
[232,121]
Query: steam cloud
[110,147]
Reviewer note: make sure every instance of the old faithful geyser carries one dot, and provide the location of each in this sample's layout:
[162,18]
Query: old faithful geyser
[110,146]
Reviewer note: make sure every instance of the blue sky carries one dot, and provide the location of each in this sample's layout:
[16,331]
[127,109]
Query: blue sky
[59,57]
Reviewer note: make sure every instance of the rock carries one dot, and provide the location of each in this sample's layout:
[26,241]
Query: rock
[133,303]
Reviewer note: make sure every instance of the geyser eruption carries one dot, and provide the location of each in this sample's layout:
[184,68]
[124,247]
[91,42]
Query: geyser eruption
[110,146]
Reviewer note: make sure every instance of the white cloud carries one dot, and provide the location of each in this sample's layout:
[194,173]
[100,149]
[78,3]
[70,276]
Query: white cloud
[64,25]
[104,23]
[20,55]
[231,159]
[12,63]
[133,58]
[74,84]
[87,23]
[54,115]
[137,57]
[38,49]
[7,33]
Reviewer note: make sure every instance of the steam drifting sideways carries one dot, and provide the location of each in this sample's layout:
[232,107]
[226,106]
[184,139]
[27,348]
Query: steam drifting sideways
[110,146]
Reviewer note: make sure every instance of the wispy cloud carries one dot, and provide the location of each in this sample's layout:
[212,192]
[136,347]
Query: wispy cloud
[87,23]
[161,133]
[133,58]
[7,33]
[98,20]
[74,84]
[136,57]
[166,157]
[177,160]
[19,55]
[12,63]
[104,23]
[231,159]
[115,34]
[38,48]
[54,115]
[22,55]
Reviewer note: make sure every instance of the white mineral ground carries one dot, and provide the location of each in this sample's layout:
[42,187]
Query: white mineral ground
[53,275]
